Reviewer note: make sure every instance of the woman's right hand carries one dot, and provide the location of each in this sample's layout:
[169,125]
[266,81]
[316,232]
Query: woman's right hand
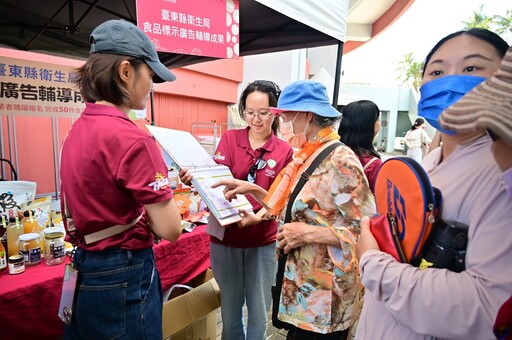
[366,240]
[233,187]
[185,176]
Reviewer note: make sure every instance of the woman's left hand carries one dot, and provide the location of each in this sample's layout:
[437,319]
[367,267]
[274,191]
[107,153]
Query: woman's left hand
[293,235]
[185,176]
[248,218]
[366,240]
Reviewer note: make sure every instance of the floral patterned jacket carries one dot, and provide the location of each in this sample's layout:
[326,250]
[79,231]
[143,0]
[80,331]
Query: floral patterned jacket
[321,285]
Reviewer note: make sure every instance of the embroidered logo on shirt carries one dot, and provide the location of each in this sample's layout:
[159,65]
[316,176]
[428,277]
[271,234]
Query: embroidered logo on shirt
[218,156]
[271,163]
[161,182]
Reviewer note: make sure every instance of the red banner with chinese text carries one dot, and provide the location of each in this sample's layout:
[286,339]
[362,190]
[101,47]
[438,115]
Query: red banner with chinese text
[197,27]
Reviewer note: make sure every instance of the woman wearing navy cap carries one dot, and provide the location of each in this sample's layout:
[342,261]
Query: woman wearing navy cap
[114,186]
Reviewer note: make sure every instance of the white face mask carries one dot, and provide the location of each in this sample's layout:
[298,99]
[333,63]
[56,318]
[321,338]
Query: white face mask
[288,134]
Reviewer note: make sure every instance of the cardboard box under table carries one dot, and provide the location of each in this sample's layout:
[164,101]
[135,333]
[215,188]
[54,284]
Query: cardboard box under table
[191,314]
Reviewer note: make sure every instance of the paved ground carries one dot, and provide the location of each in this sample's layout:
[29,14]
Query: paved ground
[385,156]
[272,332]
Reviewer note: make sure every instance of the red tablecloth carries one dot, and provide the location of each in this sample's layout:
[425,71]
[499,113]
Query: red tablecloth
[29,301]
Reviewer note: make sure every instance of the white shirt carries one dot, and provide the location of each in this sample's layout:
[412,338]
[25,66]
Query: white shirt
[416,138]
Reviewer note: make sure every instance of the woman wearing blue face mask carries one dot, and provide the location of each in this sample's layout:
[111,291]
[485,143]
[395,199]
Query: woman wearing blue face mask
[405,302]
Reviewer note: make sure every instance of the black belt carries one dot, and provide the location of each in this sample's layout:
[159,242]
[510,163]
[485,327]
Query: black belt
[295,333]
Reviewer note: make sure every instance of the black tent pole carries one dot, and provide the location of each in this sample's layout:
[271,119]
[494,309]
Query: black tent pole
[337,75]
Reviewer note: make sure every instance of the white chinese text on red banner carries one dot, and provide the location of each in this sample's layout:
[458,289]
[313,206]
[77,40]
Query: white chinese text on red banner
[196,27]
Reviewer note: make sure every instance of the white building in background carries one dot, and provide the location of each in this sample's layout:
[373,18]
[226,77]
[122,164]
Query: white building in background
[398,104]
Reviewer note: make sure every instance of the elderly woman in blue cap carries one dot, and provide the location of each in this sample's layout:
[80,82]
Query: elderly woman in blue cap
[319,225]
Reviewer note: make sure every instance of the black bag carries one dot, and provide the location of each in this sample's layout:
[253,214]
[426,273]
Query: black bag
[281,262]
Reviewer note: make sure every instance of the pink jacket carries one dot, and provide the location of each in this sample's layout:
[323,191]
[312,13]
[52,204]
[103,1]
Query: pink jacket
[404,302]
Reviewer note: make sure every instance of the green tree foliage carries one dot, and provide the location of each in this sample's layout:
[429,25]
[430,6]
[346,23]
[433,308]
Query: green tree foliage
[479,20]
[503,23]
[410,69]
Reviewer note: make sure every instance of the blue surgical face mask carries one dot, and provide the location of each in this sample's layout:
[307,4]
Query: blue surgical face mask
[438,94]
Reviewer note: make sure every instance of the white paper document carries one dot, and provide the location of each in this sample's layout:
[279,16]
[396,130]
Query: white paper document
[187,152]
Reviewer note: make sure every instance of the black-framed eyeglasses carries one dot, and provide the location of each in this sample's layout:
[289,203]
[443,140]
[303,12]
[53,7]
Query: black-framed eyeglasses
[261,115]
[491,134]
[260,164]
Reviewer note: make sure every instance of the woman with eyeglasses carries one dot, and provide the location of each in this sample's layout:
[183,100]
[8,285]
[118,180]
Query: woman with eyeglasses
[319,296]
[243,261]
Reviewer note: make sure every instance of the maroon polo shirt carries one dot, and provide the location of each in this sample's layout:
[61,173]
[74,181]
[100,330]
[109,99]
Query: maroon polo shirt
[234,151]
[109,170]
[372,170]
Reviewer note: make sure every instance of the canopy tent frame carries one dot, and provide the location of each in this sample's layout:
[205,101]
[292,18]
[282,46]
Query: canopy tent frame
[45,26]
[62,28]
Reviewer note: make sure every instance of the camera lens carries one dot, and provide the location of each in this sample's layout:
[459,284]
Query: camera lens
[446,246]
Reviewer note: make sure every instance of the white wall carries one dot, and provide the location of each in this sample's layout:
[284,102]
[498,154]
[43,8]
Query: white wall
[323,57]
[280,67]
[286,67]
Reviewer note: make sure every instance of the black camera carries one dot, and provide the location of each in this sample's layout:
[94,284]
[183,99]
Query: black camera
[446,246]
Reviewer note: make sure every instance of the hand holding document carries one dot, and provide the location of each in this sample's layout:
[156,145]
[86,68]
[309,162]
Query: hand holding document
[233,187]
[186,152]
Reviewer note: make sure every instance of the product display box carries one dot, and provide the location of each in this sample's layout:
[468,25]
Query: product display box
[191,314]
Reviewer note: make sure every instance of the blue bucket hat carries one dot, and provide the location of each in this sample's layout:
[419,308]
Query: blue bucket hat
[306,96]
[121,37]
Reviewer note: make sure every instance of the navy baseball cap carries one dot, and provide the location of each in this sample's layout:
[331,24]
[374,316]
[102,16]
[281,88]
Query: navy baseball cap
[124,38]
[305,96]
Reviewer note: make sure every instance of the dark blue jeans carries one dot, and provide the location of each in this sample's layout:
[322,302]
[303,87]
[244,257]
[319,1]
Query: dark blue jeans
[119,296]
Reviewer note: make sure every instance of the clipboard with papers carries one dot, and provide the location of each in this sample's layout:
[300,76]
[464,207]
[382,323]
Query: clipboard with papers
[186,151]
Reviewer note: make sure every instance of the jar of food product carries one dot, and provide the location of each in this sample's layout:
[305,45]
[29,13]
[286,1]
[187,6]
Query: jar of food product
[16,264]
[30,248]
[54,246]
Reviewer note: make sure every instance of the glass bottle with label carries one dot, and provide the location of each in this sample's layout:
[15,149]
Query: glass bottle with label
[30,248]
[30,224]
[3,233]
[14,231]
[3,258]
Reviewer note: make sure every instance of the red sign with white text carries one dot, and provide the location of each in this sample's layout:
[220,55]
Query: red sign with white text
[198,27]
